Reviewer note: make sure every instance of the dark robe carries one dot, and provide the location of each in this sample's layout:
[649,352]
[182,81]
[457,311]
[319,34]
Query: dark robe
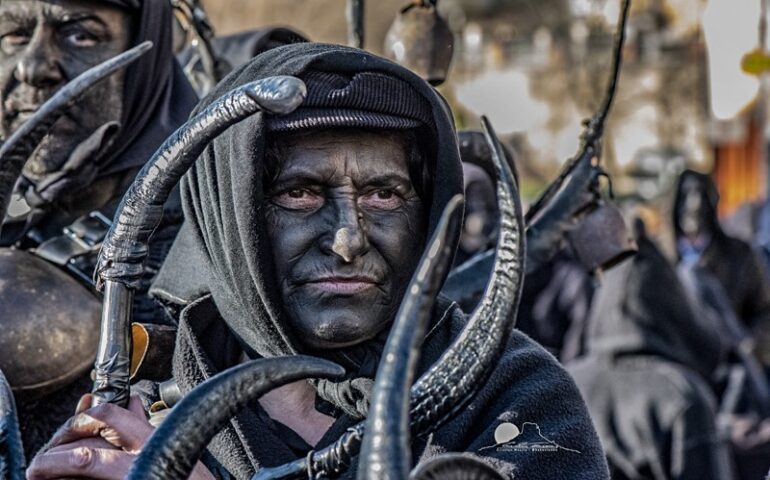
[645,375]
[219,272]
[157,100]
[735,265]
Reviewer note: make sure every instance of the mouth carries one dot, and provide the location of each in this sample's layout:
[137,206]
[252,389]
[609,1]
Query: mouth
[340,285]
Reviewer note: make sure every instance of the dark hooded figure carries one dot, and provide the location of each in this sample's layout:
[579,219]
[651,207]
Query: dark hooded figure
[79,172]
[644,377]
[232,51]
[700,240]
[301,234]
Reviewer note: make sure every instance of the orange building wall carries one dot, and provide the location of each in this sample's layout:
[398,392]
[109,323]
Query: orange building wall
[739,172]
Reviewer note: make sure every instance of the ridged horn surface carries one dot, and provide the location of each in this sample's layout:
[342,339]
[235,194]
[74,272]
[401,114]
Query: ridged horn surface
[385,452]
[174,448]
[17,149]
[463,367]
[126,246]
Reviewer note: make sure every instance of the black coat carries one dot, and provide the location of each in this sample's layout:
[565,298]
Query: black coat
[644,377]
[220,271]
[527,388]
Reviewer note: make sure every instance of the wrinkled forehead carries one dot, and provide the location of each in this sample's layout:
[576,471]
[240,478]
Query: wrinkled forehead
[61,10]
[354,153]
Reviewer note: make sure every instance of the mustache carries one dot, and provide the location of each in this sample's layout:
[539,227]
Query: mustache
[366,272]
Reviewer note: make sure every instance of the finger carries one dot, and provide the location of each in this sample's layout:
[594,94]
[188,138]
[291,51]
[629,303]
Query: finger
[84,462]
[84,403]
[120,427]
[93,442]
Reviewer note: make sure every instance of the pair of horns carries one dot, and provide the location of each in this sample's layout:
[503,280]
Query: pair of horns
[453,380]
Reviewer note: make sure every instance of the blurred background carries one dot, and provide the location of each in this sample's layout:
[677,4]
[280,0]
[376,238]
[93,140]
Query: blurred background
[692,90]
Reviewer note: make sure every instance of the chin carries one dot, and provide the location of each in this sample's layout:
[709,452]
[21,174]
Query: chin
[327,330]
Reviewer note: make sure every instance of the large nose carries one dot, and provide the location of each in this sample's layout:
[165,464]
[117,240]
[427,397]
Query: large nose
[39,64]
[349,239]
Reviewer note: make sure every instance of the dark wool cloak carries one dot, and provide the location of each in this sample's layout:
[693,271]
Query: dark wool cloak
[644,377]
[157,100]
[735,265]
[220,272]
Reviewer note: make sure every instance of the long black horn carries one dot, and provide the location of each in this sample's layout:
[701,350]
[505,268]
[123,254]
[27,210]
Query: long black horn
[354,12]
[11,449]
[594,128]
[121,259]
[174,448]
[385,453]
[17,149]
[463,367]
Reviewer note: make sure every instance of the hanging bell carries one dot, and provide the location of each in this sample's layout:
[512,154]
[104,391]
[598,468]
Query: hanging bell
[602,240]
[421,41]
[50,325]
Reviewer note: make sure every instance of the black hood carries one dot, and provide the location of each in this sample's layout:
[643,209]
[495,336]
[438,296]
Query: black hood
[223,247]
[157,98]
[641,308]
[710,197]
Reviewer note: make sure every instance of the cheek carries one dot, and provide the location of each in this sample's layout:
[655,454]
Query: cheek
[291,236]
[400,238]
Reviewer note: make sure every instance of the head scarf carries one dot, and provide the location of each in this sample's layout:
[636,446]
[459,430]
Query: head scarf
[157,98]
[224,236]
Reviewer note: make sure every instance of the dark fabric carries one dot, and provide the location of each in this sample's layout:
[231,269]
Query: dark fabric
[644,378]
[527,388]
[222,251]
[555,305]
[232,51]
[224,226]
[737,267]
[156,99]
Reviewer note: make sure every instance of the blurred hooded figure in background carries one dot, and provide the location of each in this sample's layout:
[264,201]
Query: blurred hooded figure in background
[78,174]
[646,374]
[301,235]
[700,240]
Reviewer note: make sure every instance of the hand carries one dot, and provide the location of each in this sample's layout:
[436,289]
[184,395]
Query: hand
[99,442]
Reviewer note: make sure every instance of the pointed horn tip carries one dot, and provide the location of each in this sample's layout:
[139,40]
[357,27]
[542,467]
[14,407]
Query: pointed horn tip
[279,95]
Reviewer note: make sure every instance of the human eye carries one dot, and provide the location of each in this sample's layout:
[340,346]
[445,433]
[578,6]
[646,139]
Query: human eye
[382,199]
[298,199]
[13,40]
[79,37]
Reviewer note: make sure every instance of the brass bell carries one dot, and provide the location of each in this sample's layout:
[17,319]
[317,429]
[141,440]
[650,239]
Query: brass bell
[50,325]
[601,239]
[421,41]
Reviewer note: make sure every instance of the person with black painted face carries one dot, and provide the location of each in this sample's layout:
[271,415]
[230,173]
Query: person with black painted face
[75,177]
[701,241]
[301,234]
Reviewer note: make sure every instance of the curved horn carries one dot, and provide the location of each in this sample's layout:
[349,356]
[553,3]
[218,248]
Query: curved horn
[385,451]
[11,448]
[177,444]
[454,378]
[121,259]
[17,149]
[595,126]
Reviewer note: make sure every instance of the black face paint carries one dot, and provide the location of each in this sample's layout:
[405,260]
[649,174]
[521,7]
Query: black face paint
[693,208]
[347,229]
[43,45]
